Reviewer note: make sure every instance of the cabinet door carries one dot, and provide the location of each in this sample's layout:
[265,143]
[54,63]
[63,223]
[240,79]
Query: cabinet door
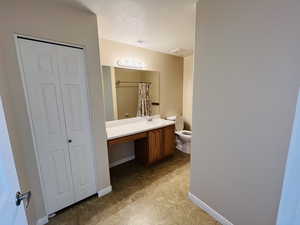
[155,145]
[45,106]
[76,108]
[169,140]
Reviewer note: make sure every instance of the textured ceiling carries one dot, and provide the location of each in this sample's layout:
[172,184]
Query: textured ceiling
[162,25]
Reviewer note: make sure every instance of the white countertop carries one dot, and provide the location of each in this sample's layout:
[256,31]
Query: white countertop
[126,127]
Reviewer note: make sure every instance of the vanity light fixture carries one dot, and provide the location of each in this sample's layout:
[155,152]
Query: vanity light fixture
[131,63]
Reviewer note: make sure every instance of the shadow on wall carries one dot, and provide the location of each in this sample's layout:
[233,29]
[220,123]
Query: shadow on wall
[187,126]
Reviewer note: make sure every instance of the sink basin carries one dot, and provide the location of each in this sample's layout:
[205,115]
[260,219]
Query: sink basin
[135,127]
[155,122]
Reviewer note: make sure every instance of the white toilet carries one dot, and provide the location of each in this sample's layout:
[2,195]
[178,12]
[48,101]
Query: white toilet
[183,137]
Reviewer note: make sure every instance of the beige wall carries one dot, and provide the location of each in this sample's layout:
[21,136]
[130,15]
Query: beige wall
[108,93]
[245,90]
[114,92]
[127,94]
[153,77]
[187,91]
[170,68]
[54,21]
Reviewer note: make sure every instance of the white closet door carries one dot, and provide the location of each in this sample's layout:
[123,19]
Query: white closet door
[40,70]
[74,91]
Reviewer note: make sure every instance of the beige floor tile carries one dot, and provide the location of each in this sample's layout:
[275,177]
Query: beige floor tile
[157,195]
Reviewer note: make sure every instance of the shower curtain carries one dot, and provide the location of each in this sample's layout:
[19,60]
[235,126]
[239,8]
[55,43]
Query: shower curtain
[144,100]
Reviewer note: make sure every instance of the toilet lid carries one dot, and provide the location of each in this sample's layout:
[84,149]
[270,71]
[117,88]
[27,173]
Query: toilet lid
[179,123]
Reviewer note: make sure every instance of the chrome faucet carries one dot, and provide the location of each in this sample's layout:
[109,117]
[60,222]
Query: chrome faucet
[149,118]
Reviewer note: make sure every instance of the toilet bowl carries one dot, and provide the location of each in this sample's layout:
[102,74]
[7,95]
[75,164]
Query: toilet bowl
[183,137]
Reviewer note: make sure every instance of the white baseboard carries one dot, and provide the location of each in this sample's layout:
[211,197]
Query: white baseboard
[42,221]
[104,191]
[118,162]
[221,219]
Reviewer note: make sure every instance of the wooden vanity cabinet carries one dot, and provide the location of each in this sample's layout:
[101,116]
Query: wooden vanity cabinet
[150,146]
[168,140]
[159,144]
[155,146]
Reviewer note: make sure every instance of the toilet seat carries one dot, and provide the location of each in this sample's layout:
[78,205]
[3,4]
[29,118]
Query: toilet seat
[185,135]
[186,132]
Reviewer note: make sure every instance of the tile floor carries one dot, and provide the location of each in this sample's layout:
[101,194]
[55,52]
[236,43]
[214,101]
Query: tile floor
[157,195]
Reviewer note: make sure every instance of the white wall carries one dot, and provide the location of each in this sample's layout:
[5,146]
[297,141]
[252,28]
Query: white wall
[55,21]
[246,84]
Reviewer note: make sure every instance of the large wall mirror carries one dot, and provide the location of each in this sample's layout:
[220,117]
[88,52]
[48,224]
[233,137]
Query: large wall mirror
[130,93]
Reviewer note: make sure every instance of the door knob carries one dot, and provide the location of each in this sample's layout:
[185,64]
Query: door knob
[23,196]
[70,141]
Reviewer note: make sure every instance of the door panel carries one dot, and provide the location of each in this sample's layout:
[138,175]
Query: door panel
[40,68]
[74,91]
[74,107]
[50,107]
[83,171]
[58,162]
[11,214]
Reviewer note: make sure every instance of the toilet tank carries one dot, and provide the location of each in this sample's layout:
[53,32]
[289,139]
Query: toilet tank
[179,123]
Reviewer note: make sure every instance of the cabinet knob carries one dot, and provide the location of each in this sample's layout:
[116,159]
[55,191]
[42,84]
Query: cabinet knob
[70,141]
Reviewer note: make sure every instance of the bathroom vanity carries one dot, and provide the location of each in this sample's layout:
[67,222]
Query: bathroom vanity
[154,140]
[128,93]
